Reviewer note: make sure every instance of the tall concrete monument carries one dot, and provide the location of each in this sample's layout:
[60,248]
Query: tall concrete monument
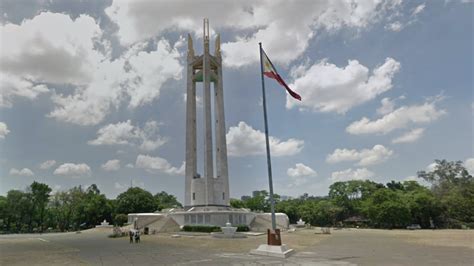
[206,196]
[211,188]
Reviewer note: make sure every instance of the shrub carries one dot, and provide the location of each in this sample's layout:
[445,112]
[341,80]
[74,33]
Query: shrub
[242,228]
[120,219]
[201,228]
[469,225]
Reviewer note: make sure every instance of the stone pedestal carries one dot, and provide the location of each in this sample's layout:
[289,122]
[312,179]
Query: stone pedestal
[228,230]
[281,251]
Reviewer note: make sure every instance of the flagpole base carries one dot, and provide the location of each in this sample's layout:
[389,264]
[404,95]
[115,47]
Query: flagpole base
[281,251]
[273,237]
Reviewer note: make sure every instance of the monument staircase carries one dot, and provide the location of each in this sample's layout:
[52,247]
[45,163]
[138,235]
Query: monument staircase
[145,221]
[165,224]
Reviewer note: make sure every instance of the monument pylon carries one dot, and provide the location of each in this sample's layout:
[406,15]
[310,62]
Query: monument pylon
[211,188]
[206,196]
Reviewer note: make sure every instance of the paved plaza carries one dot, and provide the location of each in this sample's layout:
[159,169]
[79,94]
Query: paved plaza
[342,247]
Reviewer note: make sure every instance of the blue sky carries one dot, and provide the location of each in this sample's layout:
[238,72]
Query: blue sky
[93,91]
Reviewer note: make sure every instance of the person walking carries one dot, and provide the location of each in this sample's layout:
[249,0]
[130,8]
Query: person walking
[137,237]
[130,234]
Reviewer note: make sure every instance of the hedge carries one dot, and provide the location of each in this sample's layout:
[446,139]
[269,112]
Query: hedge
[212,228]
[242,228]
[201,228]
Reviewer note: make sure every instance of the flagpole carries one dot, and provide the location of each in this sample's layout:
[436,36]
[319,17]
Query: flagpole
[269,162]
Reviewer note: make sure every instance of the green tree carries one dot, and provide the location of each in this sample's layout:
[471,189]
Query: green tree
[258,202]
[3,213]
[112,206]
[319,212]
[120,219]
[350,195]
[40,197]
[387,209]
[261,201]
[95,206]
[135,200]
[446,174]
[19,211]
[307,211]
[236,203]
[164,200]
[453,187]
[424,207]
[327,213]
[78,207]
[290,208]
[393,185]
[62,210]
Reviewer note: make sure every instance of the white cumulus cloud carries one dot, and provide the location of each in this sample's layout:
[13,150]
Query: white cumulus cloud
[33,54]
[138,74]
[12,86]
[364,157]
[349,174]
[399,118]
[261,20]
[124,133]
[22,172]
[410,136]
[301,170]
[405,19]
[243,140]
[299,175]
[73,170]
[153,164]
[111,165]
[113,134]
[3,130]
[325,87]
[76,54]
[395,26]
[418,9]
[62,55]
[386,107]
[47,164]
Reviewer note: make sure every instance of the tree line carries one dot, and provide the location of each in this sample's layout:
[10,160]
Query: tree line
[448,203]
[36,209]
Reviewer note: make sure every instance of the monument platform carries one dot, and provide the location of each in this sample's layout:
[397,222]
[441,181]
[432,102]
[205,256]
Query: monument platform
[173,219]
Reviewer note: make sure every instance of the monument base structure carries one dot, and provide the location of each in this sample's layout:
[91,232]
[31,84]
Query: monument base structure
[172,220]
